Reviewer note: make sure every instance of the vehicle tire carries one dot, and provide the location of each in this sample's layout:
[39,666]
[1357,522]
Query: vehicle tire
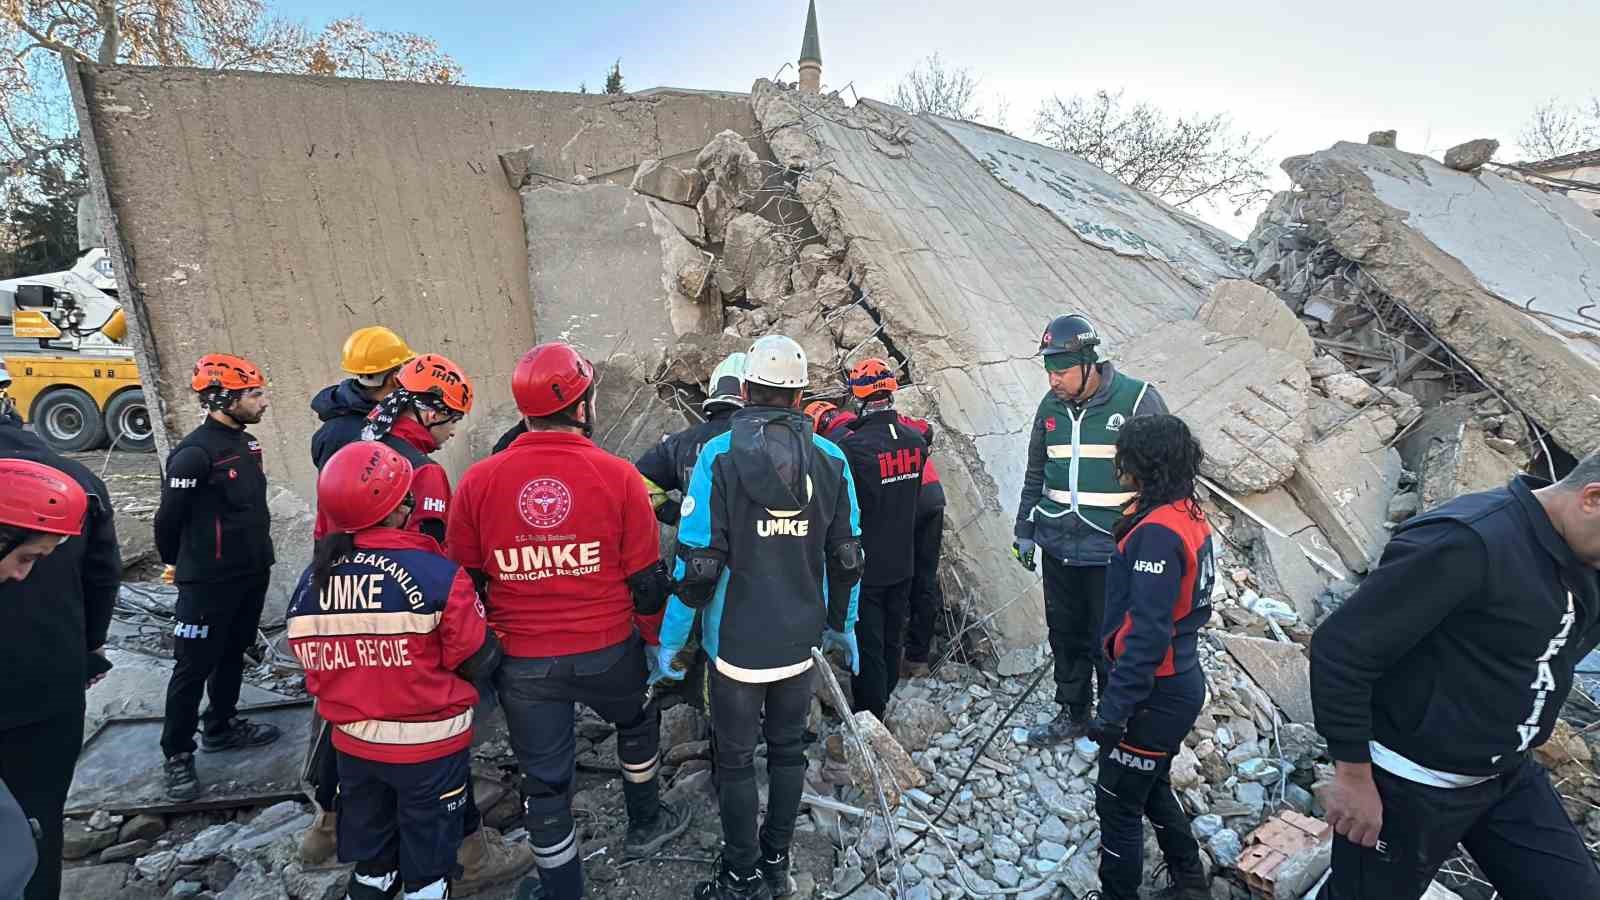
[128,423]
[67,420]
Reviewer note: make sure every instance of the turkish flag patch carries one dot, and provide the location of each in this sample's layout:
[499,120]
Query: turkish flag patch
[1050,423]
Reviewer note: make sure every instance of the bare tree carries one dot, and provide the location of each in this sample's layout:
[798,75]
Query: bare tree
[1185,160]
[347,47]
[1556,128]
[944,90]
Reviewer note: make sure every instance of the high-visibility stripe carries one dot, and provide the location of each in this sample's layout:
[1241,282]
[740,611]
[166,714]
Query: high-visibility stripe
[641,773]
[760,676]
[1090,498]
[658,494]
[378,731]
[1085,451]
[558,854]
[459,790]
[343,624]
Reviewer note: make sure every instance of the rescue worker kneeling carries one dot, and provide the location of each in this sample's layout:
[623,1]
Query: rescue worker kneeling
[1158,595]
[391,635]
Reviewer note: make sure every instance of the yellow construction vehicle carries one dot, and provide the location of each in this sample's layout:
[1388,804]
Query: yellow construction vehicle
[90,395]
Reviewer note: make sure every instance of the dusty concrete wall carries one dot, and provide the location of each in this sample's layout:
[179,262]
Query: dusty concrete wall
[270,215]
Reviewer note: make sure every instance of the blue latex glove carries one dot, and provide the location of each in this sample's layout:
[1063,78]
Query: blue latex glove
[833,640]
[659,661]
[1023,549]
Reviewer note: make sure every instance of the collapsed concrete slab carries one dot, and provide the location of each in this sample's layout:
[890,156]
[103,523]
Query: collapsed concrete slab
[1344,482]
[1281,669]
[1454,250]
[961,262]
[1244,401]
[1249,310]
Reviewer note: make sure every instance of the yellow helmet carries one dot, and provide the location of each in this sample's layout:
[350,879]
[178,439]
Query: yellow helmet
[374,350]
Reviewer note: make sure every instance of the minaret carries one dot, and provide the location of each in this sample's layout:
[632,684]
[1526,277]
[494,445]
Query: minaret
[811,55]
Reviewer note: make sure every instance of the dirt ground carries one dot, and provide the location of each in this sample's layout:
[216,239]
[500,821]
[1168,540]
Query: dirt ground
[134,481]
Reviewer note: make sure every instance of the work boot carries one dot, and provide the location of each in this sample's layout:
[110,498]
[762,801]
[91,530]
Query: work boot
[1068,725]
[644,839]
[319,842]
[182,782]
[240,733]
[1186,881]
[373,887]
[487,859]
[728,886]
[774,868]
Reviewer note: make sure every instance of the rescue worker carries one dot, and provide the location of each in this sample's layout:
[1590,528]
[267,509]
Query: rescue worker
[1070,501]
[8,405]
[769,548]
[561,535]
[213,525]
[1433,682]
[886,460]
[391,635]
[59,573]
[927,598]
[666,466]
[372,356]
[1158,595]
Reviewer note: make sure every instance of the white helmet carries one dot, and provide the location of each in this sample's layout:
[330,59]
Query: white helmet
[5,376]
[776,361]
[723,388]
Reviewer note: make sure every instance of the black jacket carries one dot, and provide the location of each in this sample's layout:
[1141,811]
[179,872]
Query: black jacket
[886,459]
[213,523]
[343,409]
[1458,650]
[669,464]
[62,609]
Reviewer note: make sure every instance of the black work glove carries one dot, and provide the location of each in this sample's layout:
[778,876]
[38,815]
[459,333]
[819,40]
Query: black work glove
[1106,734]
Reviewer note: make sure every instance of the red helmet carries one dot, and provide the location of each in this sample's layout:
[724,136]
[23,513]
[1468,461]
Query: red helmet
[432,375]
[549,378]
[870,376]
[361,484]
[41,498]
[226,371]
[816,410]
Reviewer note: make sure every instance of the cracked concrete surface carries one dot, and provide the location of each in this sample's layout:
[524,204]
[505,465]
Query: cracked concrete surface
[1504,274]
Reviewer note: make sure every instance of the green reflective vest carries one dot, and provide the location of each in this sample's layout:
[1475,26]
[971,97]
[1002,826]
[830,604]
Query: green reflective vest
[1081,449]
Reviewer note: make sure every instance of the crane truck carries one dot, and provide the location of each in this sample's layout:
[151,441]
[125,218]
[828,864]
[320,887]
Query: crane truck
[73,377]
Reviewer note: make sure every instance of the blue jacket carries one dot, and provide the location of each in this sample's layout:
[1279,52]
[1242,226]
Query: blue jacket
[772,500]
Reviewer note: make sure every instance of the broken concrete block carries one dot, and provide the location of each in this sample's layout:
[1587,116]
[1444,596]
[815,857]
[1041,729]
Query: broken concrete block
[1281,670]
[669,183]
[895,770]
[1462,463]
[1471,156]
[1249,310]
[717,208]
[1450,247]
[1382,138]
[695,356]
[1344,482]
[1280,565]
[755,260]
[853,326]
[729,162]
[685,218]
[833,290]
[684,268]
[1245,401]
[527,167]
[814,260]
[1350,388]
[694,277]
[915,723]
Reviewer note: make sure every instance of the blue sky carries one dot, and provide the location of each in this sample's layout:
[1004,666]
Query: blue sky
[1306,73]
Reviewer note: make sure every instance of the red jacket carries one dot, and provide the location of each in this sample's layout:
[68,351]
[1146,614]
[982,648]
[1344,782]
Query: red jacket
[430,483]
[557,525]
[381,644]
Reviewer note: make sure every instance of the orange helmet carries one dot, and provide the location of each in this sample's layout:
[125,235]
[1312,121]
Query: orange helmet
[432,375]
[815,410]
[870,376]
[226,372]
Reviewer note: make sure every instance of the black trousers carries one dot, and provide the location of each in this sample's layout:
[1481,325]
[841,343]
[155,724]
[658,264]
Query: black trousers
[1135,784]
[405,816]
[327,786]
[1514,827]
[879,635]
[927,598]
[736,716]
[36,763]
[217,623]
[1074,605]
[538,695]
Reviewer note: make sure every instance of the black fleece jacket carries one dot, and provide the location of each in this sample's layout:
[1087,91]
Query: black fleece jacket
[213,523]
[61,611]
[886,459]
[1459,648]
